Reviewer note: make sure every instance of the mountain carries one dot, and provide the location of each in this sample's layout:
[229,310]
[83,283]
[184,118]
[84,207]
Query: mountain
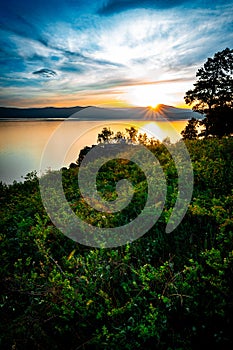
[160,113]
[47,112]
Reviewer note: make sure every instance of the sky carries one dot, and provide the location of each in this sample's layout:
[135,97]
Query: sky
[107,53]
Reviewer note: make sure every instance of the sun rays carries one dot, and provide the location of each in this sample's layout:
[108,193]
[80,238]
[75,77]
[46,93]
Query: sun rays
[156,113]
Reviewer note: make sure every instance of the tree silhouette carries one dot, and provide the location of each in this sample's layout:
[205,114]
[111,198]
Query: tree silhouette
[190,131]
[213,94]
[132,132]
[82,154]
[105,136]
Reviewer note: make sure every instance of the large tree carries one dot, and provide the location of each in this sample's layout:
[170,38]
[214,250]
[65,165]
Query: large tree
[213,94]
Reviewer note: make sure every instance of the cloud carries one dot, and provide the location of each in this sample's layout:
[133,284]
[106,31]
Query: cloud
[115,6]
[29,41]
[45,73]
[17,25]
[111,7]
[80,53]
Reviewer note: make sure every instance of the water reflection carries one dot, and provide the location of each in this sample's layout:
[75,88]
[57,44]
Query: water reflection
[22,142]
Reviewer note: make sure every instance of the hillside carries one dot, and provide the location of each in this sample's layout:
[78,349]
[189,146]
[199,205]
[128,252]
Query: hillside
[162,291]
[161,113]
[47,112]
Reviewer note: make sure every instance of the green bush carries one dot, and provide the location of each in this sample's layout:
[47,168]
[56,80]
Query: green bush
[163,291]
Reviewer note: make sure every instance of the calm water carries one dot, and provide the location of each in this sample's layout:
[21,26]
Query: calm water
[23,143]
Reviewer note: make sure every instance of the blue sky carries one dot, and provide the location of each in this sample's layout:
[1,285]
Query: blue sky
[107,53]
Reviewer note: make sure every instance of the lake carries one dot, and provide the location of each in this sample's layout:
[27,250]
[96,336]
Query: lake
[23,143]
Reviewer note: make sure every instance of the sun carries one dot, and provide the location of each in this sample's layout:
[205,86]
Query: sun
[155,107]
[146,96]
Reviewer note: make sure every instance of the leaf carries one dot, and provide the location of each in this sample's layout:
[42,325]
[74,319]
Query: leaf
[71,254]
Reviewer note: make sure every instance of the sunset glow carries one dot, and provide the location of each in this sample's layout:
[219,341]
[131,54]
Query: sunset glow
[147,95]
[162,130]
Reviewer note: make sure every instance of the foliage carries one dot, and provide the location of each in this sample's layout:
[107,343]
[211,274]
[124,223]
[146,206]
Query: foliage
[129,136]
[105,135]
[213,94]
[163,291]
[83,152]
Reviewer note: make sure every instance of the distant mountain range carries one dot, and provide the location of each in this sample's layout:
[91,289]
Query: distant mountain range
[34,113]
[160,113]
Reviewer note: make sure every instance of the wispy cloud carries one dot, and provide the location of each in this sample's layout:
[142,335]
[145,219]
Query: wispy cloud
[111,7]
[105,48]
[116,6]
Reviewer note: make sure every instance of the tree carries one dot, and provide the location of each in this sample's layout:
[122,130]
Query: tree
[105,135]
[213,94]
[119,137]
[132,132]
[142,138]
[190,131]
[82,154]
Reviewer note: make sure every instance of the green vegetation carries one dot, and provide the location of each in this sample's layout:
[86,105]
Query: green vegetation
[163,291]
[213,95]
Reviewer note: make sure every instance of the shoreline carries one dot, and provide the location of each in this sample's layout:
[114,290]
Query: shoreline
[90,120]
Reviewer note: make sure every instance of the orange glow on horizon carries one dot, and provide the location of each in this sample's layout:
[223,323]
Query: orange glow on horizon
[64,101]
[182,105]
[108,103]
[135,96]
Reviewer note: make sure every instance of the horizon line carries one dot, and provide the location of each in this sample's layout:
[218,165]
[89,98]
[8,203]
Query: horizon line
[97,106]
